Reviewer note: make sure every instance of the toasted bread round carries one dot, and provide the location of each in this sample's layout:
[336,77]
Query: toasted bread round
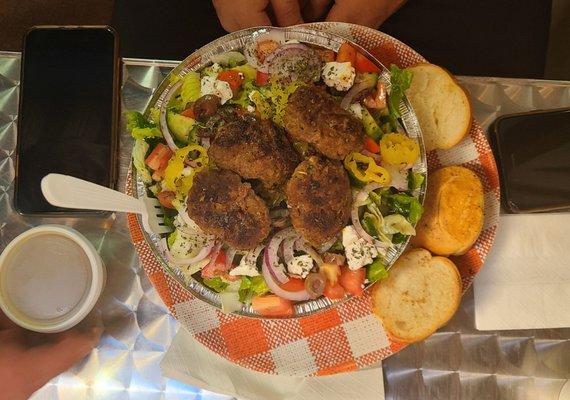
[420,295]
[453,212]
[441,105]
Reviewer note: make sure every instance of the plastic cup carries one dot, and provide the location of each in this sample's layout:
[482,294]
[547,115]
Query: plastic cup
[51,277]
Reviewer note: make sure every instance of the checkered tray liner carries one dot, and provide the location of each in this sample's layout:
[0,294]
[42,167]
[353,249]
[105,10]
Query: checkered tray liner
[347,336]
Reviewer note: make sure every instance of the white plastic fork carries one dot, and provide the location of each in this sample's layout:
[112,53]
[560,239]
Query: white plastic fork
[69,192]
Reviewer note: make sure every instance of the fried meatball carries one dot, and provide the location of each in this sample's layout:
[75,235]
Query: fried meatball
[319,198]
[254,149]
[312,116]
[223,206]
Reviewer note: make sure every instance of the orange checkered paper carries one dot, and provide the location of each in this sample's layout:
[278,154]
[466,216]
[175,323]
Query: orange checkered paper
[347,336]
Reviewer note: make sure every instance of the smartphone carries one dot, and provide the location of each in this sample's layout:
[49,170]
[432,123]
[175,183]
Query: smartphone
[533,154]
[68,111]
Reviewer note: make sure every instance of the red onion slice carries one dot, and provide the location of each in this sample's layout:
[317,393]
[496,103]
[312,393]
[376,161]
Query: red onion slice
[163,110]
[282,63]
[354,91]
[288,250]
[214,255]
[327,245]
[203,253]
[275,288]
[301,245]
[271,257]
[230,255]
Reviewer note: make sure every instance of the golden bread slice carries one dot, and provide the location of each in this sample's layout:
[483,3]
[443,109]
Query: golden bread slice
[453,212]
[420,295]
[441,105]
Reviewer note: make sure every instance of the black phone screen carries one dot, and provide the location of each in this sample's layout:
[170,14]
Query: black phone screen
[534,159]
[66,117]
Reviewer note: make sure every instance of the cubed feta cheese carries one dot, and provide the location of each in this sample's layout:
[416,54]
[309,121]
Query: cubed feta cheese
[339,75]
[211,85]
[358,251]
[300,265]
[247,265]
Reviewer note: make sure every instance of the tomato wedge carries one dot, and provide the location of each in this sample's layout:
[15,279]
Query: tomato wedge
[234,78]
[261,78]
[272,305]
[293,285]
[334,292]
[217,268]
[363,64]
[189,112]
[352,281]
[159,157]
[346,53]
[165,198]
[371,145]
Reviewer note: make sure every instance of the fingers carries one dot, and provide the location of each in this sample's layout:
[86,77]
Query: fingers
[369,13]
[240,14]
[49,360]
[315,10]
[287,12]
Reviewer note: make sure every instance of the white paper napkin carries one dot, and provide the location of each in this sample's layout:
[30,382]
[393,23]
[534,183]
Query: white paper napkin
[190,362]
[525,283]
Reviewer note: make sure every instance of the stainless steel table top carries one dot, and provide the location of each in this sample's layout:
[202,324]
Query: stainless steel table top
[458,362]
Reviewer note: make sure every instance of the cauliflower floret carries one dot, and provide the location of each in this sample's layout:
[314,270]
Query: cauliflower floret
[300,265]
[211,85]
[339,75]
[358,251]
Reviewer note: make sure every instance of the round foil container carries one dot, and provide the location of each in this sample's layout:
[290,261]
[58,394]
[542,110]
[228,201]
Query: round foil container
[237,41]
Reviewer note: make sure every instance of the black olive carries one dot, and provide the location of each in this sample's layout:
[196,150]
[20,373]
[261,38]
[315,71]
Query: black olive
[206,106]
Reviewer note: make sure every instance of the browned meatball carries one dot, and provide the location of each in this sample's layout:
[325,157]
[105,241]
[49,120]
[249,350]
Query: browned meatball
[255,150]
[311,115]
[319,198]
[223,206]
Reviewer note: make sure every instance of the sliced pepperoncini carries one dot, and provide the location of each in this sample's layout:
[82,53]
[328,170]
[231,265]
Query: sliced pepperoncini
[365,169]
[397,148]
[182,166]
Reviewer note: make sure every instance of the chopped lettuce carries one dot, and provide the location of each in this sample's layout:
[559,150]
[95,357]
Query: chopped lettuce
[406,205]
[217,284]
[140,127]
[248,72]
[243,99]
[400,81]
[415,180]
[397,223]
[154,115]
[139,153]
[376,270]
[171,238]
[190,90]
[250,287]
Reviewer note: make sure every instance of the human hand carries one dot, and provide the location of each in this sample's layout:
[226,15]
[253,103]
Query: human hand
[240,14]
[28,361]
[371,13]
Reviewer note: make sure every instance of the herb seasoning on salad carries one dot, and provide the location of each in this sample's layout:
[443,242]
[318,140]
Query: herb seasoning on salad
[284,170]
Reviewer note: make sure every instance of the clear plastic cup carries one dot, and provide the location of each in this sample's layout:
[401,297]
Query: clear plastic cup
[51,277]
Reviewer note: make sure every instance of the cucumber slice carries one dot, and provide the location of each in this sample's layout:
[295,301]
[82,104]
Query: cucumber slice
[370,126]
[180,126]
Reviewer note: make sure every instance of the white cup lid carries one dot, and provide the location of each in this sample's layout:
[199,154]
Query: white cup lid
[50,278]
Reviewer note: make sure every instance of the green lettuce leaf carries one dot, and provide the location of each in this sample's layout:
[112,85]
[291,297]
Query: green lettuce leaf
[250,287]
[376,270]
[400,81]
[140,127]
[139,153]
[217,284]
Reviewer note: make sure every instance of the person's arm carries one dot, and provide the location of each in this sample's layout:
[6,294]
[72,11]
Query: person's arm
[25,365]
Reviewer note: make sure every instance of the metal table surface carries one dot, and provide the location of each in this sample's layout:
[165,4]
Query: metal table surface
[458,362]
